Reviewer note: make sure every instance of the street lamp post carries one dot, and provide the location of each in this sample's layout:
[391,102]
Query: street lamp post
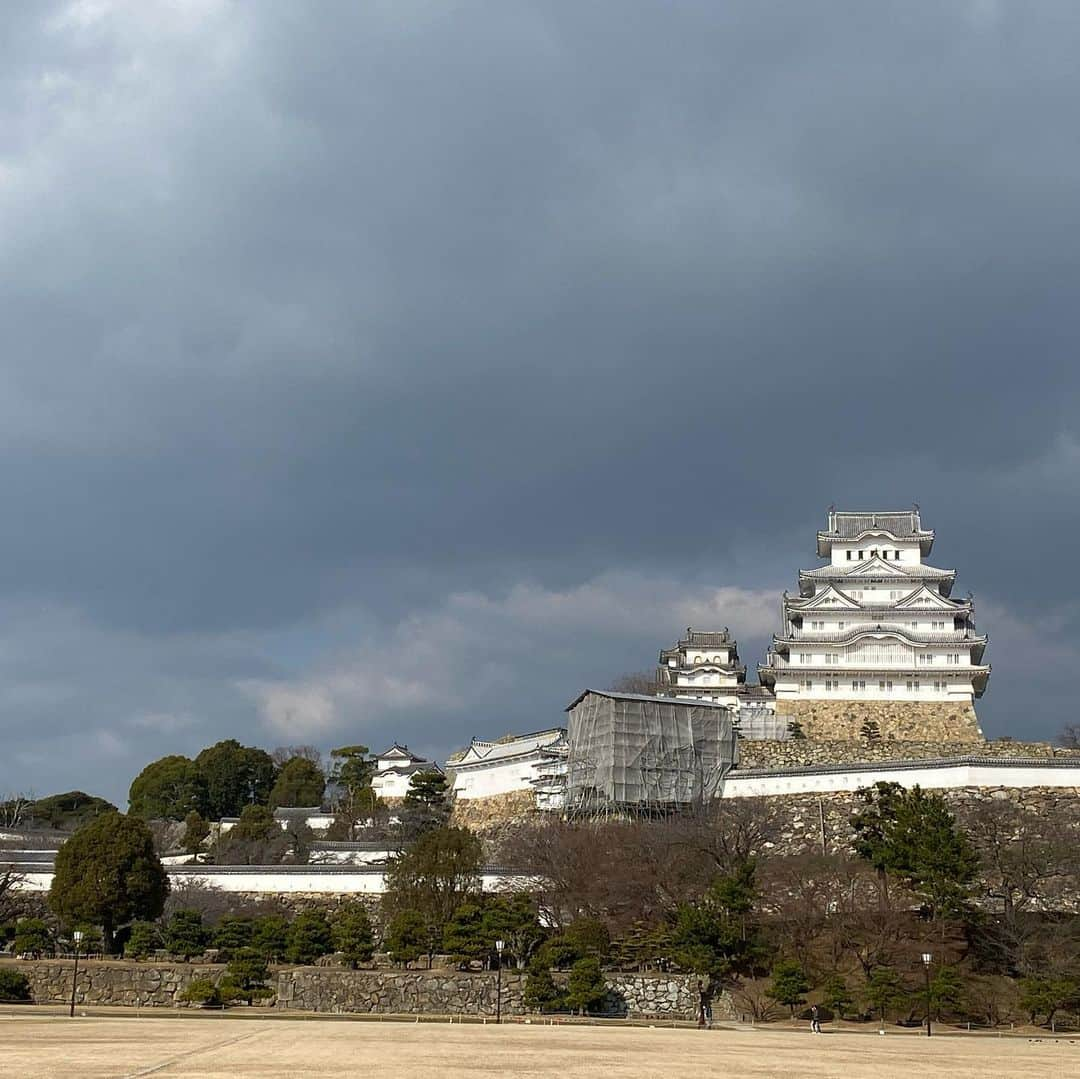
[927,959]
[499,945]
[77,937]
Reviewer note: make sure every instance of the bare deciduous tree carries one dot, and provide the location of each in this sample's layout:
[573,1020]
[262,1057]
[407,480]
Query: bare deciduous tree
[286,753]
[11,893]
[642,682]
[634,873]
[211,902]
[15,810]
[1025,858]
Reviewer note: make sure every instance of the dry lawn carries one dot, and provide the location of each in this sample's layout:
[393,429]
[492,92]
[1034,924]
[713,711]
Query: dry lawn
[36,1045]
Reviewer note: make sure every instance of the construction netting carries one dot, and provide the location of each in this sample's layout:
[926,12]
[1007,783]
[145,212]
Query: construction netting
[761,724]
[631,753]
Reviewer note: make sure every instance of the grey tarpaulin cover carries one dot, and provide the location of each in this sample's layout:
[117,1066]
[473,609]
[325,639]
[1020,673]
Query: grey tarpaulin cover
[631,752]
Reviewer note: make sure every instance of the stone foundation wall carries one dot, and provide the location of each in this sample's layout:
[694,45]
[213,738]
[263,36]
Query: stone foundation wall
[483,814]
[322,989]
[455,993]
[917,721]
[798,816]
[801,752]
[104,982]
[445,992]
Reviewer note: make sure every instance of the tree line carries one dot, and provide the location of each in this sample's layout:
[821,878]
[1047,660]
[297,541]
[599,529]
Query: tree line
[991,894]
[229,780]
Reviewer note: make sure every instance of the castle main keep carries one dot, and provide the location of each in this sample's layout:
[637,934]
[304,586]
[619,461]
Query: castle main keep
[873,645]
[874,639]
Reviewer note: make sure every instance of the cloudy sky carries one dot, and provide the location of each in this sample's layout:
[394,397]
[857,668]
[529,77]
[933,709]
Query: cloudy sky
[395,370]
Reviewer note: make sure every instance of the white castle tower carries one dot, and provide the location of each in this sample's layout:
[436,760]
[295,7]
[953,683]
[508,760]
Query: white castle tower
[703,664]
[706,665]
[874,635]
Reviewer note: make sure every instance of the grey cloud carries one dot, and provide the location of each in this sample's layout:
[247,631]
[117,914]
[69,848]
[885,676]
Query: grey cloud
[316,321]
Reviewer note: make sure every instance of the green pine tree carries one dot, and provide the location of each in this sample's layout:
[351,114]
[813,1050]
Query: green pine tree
[308,938]
[836,995]
[143,940]
[789,984]
[185,934]
[586,988]
[885,990]
[353,935]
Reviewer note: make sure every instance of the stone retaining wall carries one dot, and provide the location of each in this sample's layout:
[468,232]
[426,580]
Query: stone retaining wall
[485,814]
[800,752]
[919,721]
[322,989]
[111,983]
[799,816]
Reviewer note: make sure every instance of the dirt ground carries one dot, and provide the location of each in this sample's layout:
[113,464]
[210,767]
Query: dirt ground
[36,1045]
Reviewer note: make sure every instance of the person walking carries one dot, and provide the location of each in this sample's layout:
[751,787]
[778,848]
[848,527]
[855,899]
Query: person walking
[815,1021]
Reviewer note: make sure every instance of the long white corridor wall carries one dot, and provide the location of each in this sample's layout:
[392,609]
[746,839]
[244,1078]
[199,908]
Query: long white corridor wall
[944,774]
[278,879]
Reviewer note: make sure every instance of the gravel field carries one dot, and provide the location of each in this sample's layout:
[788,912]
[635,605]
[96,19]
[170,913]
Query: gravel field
[46,1045]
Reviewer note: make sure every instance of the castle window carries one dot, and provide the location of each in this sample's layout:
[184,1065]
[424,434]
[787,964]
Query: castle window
[848,555]
[896,556]
[840,625]
[862,555]
[832,657]
[926,657]
[939,625]
[857,685]
[954,657]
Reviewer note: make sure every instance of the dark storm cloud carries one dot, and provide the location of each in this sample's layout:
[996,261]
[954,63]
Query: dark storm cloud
[333,332]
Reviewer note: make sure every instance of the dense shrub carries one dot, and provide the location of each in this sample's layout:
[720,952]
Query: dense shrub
[204,991]
[14,986]
[201,991]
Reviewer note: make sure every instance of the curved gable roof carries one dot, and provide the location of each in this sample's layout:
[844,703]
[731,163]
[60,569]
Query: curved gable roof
[850,526]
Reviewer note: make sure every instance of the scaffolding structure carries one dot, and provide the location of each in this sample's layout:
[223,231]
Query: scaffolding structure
[632,755]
